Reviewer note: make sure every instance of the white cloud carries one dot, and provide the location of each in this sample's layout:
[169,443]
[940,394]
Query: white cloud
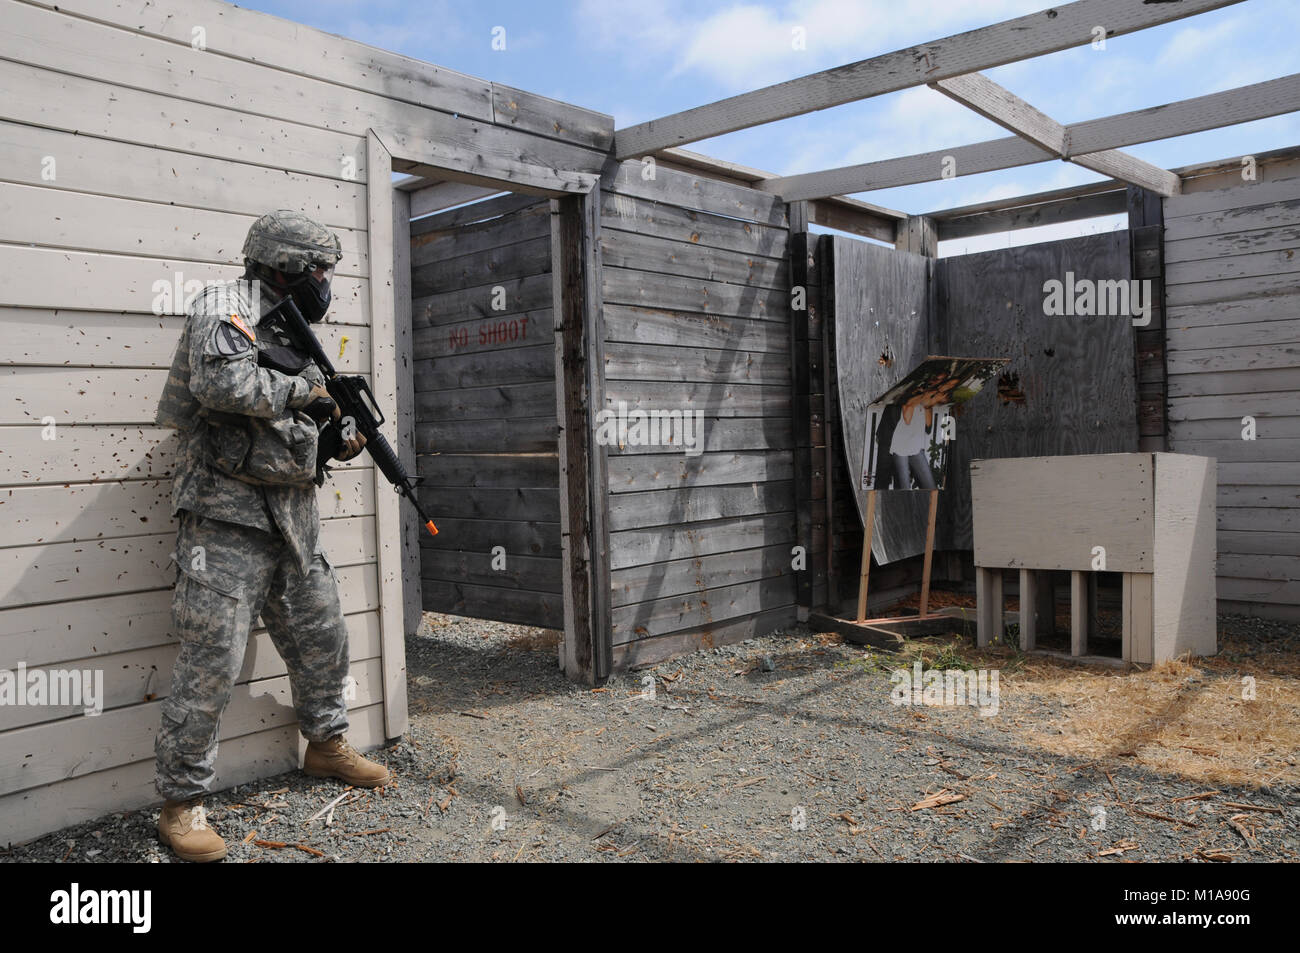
[1197,42]
[631,27]
[899,124]
[697,53]
[920,119]
[744,46]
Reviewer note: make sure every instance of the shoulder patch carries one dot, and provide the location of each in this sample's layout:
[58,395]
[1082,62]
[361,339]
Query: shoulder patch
[238,322]
[228,341]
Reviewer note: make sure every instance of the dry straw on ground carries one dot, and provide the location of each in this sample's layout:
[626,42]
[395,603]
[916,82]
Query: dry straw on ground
[1180,718]
[1190,718]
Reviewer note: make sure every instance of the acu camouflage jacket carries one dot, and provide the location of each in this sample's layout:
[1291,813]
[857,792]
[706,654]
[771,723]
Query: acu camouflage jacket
[246,454]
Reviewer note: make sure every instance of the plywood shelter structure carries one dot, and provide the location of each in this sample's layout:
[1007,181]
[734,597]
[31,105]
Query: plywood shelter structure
[138,144]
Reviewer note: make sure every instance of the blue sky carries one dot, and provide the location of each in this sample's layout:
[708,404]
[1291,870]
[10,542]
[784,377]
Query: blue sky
[639,59]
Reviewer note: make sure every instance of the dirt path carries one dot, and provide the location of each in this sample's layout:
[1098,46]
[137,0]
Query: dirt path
[782,748]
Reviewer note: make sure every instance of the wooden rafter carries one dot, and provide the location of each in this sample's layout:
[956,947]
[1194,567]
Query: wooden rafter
[1071,204]
[846,214]
[1230,107]
[1047,31]
[1027,211]
[979,93]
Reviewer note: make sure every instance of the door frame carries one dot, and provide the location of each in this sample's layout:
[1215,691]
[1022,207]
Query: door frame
[586,650]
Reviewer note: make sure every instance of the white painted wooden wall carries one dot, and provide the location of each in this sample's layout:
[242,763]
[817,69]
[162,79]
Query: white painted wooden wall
[130,154]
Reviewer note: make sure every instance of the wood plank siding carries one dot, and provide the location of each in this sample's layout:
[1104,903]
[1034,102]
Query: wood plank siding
[135,156]
[697,318]
[485,421]
[1232,260]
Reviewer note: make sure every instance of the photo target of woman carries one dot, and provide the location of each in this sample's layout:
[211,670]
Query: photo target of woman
[907,432]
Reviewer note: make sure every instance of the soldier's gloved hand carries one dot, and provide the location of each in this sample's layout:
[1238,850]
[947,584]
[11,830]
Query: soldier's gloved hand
[351,447]
[320,405]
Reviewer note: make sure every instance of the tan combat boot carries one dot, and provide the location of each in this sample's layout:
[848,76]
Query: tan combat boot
[183,826]
[336,758]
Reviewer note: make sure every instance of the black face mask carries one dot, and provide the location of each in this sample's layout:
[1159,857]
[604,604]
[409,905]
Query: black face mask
[311,296]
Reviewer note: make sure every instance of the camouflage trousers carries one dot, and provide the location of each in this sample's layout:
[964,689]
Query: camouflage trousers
[229,574]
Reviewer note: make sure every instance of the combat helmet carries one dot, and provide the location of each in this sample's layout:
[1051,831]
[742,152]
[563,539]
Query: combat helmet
[290,242]
[306,251]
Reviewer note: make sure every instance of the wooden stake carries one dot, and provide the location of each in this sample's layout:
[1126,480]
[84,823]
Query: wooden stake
[868,529]
[929,552]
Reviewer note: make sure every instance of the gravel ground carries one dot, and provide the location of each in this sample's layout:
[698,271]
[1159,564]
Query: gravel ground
[784,748]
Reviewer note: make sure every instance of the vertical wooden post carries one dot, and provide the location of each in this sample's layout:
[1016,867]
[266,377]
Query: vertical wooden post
[919,235]
[1046,606]
[580,395]
[593,319]
[1094,617]
[983,607]
[1139,621]
[829,384]
[929,553]
[802,409]
[412,601]
[1029,603]
[988,606]
[999,620]
[383,383]
[1078,612]
[1146,220]
[868,529]
[1126,617]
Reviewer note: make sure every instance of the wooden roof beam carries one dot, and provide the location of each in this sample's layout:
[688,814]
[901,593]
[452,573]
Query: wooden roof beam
[839,212]
[1230,107]
[1072,203]
[994,102]
[980,94]
[1033,198]
[1030,211]
[1047,31]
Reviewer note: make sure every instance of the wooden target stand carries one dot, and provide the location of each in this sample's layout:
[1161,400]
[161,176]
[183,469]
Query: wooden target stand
[889,631]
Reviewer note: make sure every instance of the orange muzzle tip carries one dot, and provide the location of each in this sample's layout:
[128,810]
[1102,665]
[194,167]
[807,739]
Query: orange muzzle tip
[433,530]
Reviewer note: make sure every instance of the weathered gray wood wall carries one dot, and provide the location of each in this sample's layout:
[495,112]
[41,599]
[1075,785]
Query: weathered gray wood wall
[810,402]
[1233,351]
[485,410]
[884,326]
[696,309]
[1068,389]
[140,141]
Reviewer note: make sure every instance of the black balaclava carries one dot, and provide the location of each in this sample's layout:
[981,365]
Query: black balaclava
[311,296]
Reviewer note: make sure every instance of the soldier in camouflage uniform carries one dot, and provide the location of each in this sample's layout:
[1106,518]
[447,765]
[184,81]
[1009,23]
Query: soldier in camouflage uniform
[244,488]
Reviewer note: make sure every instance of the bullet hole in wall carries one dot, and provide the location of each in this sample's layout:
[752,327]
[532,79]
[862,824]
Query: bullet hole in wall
[1009,391]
